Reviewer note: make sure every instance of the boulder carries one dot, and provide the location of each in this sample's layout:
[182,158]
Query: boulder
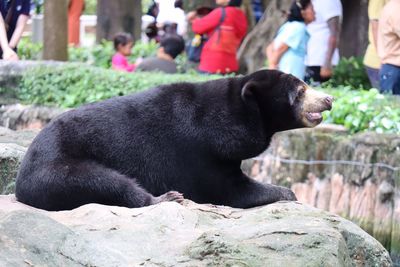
[10,158]
[19,117]
[354,176]
[170,234]
[13,145]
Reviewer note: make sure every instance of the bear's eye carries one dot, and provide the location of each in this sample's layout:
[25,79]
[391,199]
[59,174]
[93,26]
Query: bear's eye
[301,91]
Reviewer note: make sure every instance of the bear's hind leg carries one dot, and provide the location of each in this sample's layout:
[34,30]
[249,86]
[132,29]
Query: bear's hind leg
[70,184]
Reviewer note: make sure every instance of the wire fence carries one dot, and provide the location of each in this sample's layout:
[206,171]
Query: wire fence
[329,162]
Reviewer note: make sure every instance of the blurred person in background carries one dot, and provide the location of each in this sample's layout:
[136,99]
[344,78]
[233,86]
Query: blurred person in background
[170,47]
[258,9]
[389,47]
[149,25]
[13,18]
[322,48]
[288,50]
[75,10]
[225,27]
[372,63]
[123,43]
[179,17]
[166,10]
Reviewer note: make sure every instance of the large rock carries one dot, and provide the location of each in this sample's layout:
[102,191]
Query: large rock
[19,117]
[355,176]
[169,234]
[10,158]
[13,145]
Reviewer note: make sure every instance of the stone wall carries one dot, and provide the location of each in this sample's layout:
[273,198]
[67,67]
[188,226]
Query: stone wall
[20,117]
[357,177]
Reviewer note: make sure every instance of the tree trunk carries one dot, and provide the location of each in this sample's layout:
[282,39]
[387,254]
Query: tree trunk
[248,9]
[118,16]
[251,53]
[354,35]
[55,35]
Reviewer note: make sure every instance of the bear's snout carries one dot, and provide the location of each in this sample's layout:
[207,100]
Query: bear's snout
[314,104]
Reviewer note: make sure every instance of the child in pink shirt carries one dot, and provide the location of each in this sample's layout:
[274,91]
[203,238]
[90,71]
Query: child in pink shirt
[123,43]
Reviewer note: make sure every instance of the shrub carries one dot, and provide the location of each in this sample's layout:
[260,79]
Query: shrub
[76,84]
[364,110]
[350,72]
[98,55]
[90,7]
[28,50]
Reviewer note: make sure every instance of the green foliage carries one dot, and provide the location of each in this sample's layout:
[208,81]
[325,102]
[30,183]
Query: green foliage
[28,50]
[90,7]
[143,50]
[364,110]
[38,6]
[77,84]
[98,55]
[350,72]
[145,5]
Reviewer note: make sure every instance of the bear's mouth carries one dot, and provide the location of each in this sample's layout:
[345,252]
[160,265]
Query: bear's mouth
[314,117]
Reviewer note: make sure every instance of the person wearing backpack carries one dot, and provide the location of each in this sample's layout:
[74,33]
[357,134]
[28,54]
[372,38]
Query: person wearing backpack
[225,28]
[14,15]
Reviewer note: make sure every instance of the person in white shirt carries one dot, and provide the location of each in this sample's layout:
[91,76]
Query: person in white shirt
[180,18]
[322,51]
[171,12]
[166,9]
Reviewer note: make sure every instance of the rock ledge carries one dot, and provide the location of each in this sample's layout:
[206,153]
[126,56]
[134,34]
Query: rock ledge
[169,234]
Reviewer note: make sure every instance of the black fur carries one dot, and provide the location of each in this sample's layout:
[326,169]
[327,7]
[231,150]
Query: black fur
[185,137]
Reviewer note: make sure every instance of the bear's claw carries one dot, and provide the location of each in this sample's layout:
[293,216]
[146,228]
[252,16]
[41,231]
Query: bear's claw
[169,196]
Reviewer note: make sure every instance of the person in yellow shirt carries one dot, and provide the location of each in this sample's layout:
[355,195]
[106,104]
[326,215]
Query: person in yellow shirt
[372,62]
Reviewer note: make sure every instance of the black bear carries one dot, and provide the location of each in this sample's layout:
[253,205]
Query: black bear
[190,138]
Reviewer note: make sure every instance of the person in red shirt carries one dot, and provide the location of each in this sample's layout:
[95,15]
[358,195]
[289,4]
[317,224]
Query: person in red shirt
[225,27]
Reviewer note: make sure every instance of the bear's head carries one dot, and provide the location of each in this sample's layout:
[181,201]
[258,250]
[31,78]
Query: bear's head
[284,101]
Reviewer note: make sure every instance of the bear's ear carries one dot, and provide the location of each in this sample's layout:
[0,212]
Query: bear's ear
[248,92]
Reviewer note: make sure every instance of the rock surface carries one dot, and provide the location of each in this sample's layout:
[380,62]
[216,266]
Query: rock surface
[19,117]
[354,176]
[169,234]
[13,146]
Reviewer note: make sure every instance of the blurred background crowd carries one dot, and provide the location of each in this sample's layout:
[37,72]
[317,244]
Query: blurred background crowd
[214,35]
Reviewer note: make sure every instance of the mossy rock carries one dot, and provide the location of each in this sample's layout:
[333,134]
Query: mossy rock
[10,158]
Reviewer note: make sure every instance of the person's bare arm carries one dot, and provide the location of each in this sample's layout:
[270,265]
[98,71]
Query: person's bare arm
[269,52]
[334,32]
[274,54]
[19,29]
[374,27]
[8,53]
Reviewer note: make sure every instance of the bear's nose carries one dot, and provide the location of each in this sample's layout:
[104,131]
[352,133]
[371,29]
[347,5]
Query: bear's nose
[329,101]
